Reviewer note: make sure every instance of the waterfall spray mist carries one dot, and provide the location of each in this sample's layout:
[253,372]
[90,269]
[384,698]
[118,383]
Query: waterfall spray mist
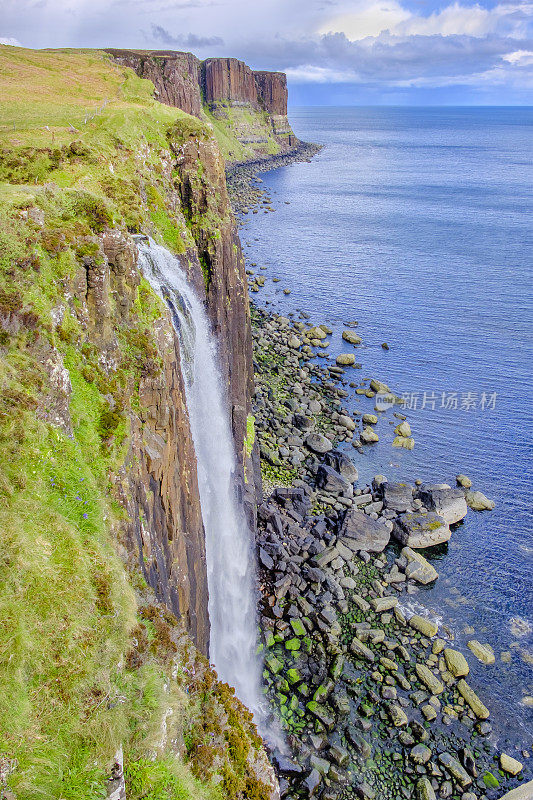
[229,546]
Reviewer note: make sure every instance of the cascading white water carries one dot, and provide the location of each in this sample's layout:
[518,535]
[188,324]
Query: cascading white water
[229,549]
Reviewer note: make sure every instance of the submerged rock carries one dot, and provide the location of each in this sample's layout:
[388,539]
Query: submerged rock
[483,652]
[477,501]
[351,337]
[369,435]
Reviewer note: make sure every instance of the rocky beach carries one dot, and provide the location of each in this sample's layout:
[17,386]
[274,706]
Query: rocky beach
[368,685]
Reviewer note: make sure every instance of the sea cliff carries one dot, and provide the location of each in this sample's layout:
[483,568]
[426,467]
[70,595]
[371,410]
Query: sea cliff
[107,679]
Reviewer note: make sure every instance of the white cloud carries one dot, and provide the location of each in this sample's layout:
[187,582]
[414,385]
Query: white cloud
[367,21]
[372,19]
[10,40]
[522,58]
[309,73]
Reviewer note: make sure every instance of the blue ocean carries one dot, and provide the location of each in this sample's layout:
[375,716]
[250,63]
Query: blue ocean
[417,223]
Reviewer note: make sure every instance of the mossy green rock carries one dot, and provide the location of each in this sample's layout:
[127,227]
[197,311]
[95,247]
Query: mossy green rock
[293,676]
[424,789]
[322,713]
[298,627]
[293,644]
[490,780]
[274,664]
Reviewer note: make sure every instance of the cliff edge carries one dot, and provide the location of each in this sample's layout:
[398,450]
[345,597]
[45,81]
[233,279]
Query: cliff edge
[248,109]
[104,594]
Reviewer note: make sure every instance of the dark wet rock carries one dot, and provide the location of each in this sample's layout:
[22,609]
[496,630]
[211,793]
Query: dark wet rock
[312,782]
[285,765]
[331,481]
[364,532]
[397,496]
[455,769]
[341,464]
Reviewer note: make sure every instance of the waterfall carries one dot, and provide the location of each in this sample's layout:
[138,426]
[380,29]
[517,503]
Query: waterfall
[228,539]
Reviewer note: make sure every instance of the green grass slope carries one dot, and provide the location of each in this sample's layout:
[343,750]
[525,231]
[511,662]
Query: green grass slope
[88,660]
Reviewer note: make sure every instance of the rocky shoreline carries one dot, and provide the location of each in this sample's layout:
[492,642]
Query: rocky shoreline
[372,695]
[244,184]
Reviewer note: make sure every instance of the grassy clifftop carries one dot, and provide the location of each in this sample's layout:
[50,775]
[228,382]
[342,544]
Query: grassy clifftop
[89,661]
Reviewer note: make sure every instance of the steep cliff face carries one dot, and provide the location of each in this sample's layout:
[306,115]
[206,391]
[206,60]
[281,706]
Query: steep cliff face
[247,109]
[217,270]
[228,80]
[96,454]
[272,92]
[157,483]
[175,75]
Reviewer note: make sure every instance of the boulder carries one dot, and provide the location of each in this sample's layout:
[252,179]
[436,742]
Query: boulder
[524,792]
[342,464]
[379,386]
[477,501]
[455,769]
[370,419]
[361,650]
[380,604]
[351,337]
[448,503]
[366,533]
[345,360]
[346,422]
[419,529]
[424,789]
[456,662]
[427,627]
[418,568]
[316,333]
[318,443]
[331,481]
[472,699]
[303,422]
[420,754]
[510,764]
[312,782]
[398,716]
[429,680]
[403,429]
[368,435]
[464,481]
[397,496]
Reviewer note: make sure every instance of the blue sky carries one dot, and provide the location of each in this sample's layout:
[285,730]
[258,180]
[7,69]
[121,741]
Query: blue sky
[334,52]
